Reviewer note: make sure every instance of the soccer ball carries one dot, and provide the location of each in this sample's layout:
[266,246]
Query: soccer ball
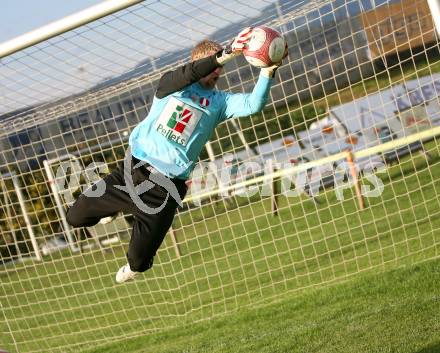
[265,47]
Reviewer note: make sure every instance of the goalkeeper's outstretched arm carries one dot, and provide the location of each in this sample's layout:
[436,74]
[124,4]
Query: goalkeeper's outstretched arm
[173,81]
[244,104]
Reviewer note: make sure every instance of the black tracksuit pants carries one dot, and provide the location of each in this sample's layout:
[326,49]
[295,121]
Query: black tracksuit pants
[148,230]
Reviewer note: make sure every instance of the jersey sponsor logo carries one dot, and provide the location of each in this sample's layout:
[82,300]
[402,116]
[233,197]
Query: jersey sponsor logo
[178,121]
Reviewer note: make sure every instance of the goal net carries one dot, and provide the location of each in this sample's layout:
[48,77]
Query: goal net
[337,177]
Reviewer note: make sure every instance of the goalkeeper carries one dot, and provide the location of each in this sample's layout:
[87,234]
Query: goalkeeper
[164,148]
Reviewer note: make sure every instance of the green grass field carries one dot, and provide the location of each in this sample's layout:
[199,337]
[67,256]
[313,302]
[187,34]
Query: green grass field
[395,311]
[315,278]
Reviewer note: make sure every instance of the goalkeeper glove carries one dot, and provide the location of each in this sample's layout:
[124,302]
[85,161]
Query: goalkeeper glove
[236,47]
[270,71]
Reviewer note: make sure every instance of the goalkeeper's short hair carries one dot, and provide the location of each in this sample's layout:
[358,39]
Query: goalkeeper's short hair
[205,48]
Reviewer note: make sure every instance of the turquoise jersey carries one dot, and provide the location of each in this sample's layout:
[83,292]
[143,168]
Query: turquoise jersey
[177,127]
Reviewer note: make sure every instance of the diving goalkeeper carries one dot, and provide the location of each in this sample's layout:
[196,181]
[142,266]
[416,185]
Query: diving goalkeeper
[165,147]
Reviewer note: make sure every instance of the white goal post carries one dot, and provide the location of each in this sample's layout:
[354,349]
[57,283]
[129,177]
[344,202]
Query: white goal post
[65,24]
[22,207]
[434,6]
[336,178]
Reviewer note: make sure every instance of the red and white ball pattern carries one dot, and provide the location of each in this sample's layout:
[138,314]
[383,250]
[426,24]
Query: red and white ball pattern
[265,47]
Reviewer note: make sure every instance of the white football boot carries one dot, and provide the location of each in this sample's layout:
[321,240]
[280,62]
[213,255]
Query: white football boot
[125,274]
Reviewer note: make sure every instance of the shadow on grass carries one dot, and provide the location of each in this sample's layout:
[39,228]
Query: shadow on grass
[435,348]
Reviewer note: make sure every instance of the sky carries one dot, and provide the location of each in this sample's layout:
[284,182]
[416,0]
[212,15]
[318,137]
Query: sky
[20,16]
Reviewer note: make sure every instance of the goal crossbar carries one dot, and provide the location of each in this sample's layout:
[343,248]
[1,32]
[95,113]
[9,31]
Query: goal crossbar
[65,24]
